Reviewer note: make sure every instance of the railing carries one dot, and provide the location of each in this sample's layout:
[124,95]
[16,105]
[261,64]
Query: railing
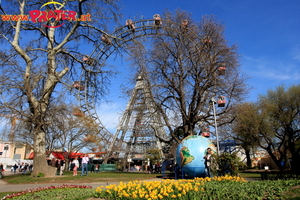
[107,167]
[278,175]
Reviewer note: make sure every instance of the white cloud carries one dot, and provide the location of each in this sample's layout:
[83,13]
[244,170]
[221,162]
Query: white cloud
[296,53]
[266,74]
[271,69]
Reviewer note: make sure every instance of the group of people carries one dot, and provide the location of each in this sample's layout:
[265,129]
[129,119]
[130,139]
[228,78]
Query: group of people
[95,168]
[74,165]
[59,164]
[156,168]
[24,167]
[84,165]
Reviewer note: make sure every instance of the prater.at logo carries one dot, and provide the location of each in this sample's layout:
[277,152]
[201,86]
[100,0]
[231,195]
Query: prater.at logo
[58,15]
[47,15]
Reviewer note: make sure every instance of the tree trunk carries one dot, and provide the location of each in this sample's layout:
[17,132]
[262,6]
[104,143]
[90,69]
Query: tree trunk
[274,158]
[295,162]
[248,157]
[40,165]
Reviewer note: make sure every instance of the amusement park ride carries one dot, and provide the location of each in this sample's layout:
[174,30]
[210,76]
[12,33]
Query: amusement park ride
[141,121]
[140,124]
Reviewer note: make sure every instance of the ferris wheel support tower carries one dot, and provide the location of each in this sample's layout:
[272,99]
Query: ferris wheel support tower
[139,125]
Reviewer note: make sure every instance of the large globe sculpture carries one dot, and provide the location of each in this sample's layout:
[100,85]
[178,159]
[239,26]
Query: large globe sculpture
[190,155]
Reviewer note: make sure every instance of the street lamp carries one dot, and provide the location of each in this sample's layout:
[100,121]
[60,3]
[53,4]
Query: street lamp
[129,161]
[213,101]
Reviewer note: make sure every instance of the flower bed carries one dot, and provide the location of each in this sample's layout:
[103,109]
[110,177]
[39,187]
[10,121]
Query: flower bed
[54,192]
[200,188]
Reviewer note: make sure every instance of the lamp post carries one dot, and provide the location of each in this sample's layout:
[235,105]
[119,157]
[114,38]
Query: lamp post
[213,101]
[129,161]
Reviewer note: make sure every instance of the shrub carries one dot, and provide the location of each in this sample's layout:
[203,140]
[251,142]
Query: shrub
[41,175]
[226,163]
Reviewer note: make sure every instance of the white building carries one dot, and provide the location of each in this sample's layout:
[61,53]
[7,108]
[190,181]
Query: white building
[14,153]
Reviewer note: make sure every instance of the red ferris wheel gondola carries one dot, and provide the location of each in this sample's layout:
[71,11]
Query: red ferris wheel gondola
[221,101]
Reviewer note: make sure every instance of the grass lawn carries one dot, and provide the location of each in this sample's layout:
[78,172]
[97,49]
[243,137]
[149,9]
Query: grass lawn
[69,178]
[249,175]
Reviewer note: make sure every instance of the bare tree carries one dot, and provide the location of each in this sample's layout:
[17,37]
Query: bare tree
[188,68]
[42,55]
[69,130]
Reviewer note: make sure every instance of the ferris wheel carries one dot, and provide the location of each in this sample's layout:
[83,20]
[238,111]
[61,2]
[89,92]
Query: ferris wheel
[106,47]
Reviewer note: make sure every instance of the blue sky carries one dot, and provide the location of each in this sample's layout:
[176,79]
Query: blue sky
[267,33]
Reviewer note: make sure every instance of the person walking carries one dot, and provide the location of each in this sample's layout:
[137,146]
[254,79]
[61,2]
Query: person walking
[19,167]
[2,168]
[30,168]
[75,165]
[84,164]
[15,168]
[93,168]
[97,168]
[207,162]
[62,167]
[25,169]
[57,165]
